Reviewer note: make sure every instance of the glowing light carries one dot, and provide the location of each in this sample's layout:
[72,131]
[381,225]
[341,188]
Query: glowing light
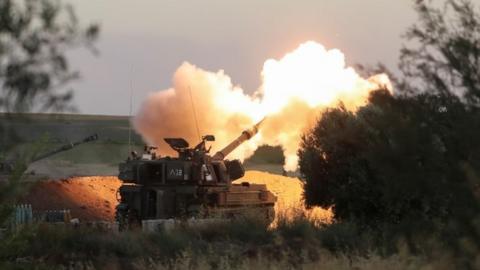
[294,89]
[310,74]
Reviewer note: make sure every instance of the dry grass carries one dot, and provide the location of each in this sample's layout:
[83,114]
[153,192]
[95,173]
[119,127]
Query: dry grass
[242,244]
[289,192]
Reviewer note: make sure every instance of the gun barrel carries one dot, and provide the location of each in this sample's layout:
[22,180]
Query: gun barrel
[65,147]
[245,136]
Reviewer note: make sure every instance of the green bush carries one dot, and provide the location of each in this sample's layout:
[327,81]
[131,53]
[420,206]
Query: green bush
[267,154]
[396,159]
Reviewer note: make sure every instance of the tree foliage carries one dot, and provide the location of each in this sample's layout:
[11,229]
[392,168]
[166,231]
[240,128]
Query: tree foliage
[396,158]
[415,155]
[34,38]
[443,55]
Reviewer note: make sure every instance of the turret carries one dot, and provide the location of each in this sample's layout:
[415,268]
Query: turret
[65,147]
[245,136]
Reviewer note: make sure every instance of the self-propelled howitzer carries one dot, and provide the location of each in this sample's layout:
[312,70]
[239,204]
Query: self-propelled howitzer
[66,147]
[7,167]
[193,184]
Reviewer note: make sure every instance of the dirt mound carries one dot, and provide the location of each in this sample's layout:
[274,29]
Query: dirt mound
[94,198]
[88,198]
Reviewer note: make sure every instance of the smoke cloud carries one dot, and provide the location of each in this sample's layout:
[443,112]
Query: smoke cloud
[294,91]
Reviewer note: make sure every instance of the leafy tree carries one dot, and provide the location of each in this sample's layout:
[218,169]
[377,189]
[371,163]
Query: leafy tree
[415,155]
[396,159]
[444,52]
[34,38]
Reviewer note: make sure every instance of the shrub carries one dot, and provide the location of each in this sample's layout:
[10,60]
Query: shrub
[397,158]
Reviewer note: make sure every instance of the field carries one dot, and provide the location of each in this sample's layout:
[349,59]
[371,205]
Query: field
[82,166]
[53,131]
[45,132]
[88,171]
[83,190]
[84,180]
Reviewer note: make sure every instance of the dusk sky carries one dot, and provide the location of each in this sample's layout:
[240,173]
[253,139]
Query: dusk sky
[143,42]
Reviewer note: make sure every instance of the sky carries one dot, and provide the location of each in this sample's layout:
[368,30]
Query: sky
[143,42]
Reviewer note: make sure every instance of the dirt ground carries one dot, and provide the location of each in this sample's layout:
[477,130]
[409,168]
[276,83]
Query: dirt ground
[88,198]
[93,198]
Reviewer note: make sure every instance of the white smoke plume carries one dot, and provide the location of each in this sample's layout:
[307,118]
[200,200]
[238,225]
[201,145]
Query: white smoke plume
[294,91]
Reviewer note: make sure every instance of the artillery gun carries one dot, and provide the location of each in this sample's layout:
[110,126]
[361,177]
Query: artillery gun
[7,167]
[194,184]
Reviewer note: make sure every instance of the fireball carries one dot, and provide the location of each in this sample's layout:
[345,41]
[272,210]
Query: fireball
[293,92]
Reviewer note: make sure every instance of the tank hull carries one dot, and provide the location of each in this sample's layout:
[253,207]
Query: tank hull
[139,202]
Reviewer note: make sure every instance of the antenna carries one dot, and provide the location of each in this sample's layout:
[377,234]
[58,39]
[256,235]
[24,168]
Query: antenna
[194,113]
[130,113]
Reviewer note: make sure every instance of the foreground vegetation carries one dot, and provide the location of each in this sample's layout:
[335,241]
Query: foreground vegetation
[243,244]
[406,165]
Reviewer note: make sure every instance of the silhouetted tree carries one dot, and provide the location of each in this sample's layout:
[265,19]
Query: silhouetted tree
[34,72]
[34,38]
[414,156]
[444,52]
[397,158]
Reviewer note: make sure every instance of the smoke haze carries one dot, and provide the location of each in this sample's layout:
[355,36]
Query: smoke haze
[294,91]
